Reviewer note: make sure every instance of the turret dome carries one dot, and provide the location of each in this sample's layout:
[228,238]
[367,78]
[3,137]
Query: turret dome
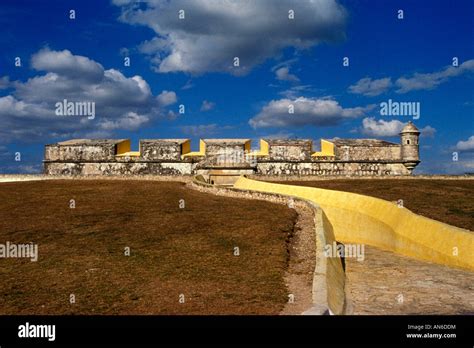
[410,128]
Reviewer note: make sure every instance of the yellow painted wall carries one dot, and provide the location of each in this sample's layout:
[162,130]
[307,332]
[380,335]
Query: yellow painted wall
[362,219]
[327,149]
[264,149]
[186,147]
[201,152]
[331,267]
[123,147]
[247,146]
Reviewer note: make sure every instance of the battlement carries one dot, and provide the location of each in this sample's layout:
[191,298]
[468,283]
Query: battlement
[300,150]
[275,157]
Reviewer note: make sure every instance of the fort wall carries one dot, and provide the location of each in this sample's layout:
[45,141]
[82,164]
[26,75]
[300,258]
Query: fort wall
[340,157]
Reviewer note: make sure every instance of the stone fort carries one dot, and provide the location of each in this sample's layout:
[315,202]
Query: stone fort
[222,160]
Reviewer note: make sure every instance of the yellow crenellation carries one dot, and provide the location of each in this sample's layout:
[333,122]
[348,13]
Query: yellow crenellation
[264,149]
[327,149]
[123,148]
[201,152]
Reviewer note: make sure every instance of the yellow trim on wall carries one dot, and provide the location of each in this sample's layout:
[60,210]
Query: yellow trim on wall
[247,146]
[185,147]
[123,147]
[264,149]
[129,154]
[327,149]
[201,152]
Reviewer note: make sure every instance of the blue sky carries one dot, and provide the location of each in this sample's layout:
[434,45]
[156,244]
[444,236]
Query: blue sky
[283,62]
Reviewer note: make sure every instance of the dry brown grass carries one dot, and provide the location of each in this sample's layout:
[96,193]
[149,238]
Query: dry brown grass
[449,201]
[173,251]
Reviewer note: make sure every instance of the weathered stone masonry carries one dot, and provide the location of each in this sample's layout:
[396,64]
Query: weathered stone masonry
[218,159]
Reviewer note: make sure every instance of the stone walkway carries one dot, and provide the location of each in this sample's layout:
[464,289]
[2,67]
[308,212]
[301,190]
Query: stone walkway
[387,283]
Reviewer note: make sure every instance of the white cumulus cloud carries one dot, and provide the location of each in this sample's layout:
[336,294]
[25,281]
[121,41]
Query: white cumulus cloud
[370,88]
[307,111]
[283,74]
[67,64]
[392,128]
[121,102]
[418,81]
[432,80]
[213,32]
[381,128]
[427,132]
[166,98]
[466,145]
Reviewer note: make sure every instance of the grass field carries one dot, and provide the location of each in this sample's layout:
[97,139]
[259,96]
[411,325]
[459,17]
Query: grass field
[173,250]
[449,201]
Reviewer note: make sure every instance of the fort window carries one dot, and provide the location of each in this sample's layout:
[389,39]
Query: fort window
[408,141]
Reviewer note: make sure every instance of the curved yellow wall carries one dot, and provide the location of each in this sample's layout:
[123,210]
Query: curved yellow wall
[366,220]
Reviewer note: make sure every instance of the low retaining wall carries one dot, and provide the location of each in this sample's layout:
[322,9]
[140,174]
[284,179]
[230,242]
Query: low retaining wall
[328,290]
[39,177]
[329,279]
[290,178]
[366,220]
[332,168]
[119,168]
